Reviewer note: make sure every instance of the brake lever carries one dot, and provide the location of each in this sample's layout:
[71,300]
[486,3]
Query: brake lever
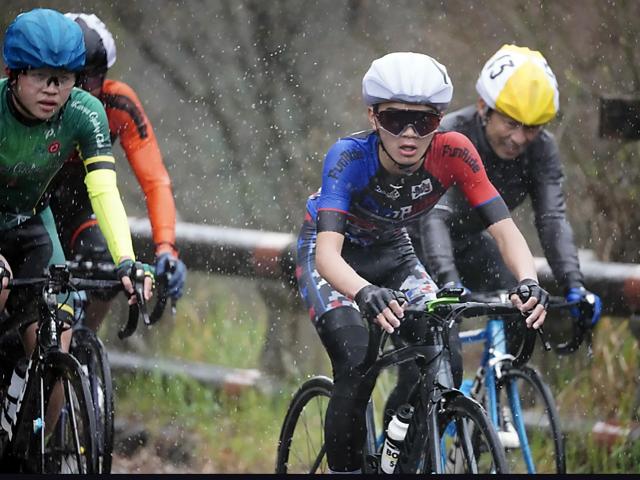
[162,293]
[174,301]
[139,289]
[132,322]
[543,338]
[138,308]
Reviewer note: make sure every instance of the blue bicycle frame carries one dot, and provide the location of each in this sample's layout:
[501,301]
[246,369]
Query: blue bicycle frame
[494,339]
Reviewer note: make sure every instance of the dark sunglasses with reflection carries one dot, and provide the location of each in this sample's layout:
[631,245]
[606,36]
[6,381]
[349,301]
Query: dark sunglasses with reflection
[396,121]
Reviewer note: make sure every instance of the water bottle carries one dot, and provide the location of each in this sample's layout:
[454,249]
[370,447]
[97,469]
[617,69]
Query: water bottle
[396,431]
[13,397]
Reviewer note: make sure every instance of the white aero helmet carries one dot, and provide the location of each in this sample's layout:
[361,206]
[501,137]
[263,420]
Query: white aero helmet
[101,49]
[407,77]
[519,83]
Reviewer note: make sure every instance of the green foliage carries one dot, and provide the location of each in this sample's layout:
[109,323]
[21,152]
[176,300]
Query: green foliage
[222,324]
[600,389]
[226,433]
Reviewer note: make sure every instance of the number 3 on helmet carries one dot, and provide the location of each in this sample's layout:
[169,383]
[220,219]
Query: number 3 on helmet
[518,82]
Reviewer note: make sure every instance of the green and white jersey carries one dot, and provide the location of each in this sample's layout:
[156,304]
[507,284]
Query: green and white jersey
[31,155]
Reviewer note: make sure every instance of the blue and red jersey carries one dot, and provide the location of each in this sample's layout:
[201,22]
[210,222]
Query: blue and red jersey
[366,203]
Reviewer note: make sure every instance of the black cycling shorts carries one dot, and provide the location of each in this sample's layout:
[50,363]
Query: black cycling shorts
[30,248]
[392,264]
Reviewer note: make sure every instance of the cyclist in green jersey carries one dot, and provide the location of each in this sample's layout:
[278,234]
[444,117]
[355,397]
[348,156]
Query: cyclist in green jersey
[43,118]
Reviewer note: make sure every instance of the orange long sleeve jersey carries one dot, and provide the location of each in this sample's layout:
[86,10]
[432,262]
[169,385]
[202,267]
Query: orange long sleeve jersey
[129,123]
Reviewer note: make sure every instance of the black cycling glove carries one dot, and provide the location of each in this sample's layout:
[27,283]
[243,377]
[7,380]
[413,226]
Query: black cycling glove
[528,288]
[125,269]
[373,300]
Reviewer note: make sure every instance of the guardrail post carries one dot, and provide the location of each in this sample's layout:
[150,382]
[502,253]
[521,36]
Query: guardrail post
[283,322]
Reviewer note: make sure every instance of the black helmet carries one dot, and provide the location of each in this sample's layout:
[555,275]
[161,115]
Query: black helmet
[99,44]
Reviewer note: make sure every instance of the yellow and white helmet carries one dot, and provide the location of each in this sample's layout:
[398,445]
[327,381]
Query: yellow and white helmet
[518,82]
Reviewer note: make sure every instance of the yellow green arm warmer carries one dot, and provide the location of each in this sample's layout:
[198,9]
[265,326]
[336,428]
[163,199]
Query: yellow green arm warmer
[107,205]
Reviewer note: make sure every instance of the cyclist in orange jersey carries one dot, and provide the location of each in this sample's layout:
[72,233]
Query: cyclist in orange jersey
[81,238]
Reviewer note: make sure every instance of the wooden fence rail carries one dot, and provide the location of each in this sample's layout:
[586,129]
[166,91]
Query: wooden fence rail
[259,254]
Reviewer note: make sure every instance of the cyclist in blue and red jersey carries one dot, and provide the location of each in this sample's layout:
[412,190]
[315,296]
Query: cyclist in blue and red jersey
[355,260]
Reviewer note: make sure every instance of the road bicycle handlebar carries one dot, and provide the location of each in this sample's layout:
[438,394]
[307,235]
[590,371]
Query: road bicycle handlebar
[581,329]
[448,309]
[58,279]
[470,309]
[108,270]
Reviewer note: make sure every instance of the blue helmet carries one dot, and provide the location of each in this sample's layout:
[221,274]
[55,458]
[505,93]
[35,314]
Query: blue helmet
[44,38]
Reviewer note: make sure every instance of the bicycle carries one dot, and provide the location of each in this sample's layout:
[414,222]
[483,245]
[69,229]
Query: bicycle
[518,401]
[448,432]
[87,347]
[69,447]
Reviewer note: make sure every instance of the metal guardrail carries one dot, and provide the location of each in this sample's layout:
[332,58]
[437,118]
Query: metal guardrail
[223,250]
[255,253]
[230,380]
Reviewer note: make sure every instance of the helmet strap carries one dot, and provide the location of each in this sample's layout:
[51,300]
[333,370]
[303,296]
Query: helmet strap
[401,166]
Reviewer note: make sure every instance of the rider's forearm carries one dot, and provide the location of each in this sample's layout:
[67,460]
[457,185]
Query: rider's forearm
[332,267]
[556,239]
[153,177]
[514,249]
[110,213]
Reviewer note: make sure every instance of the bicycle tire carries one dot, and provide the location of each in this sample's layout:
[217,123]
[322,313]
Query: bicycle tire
[468,442]
[311,395]
[90,352]
[72,447]
[541,419]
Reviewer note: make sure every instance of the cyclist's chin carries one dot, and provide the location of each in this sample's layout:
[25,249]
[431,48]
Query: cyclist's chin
[406,156]
[509,152]
[44,111]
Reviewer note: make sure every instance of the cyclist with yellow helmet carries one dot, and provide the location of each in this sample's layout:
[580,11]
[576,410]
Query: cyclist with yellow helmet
[518,97]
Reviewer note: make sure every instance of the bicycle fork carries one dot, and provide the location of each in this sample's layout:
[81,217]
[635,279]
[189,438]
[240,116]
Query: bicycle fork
[498,360]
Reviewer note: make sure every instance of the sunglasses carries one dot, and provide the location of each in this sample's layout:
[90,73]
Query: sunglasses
[396,121]
[42,78]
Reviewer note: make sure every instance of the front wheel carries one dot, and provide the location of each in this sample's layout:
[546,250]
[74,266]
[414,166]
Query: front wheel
[71,447]
[301,447]
[92,355]
[529,424]
[468,442]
